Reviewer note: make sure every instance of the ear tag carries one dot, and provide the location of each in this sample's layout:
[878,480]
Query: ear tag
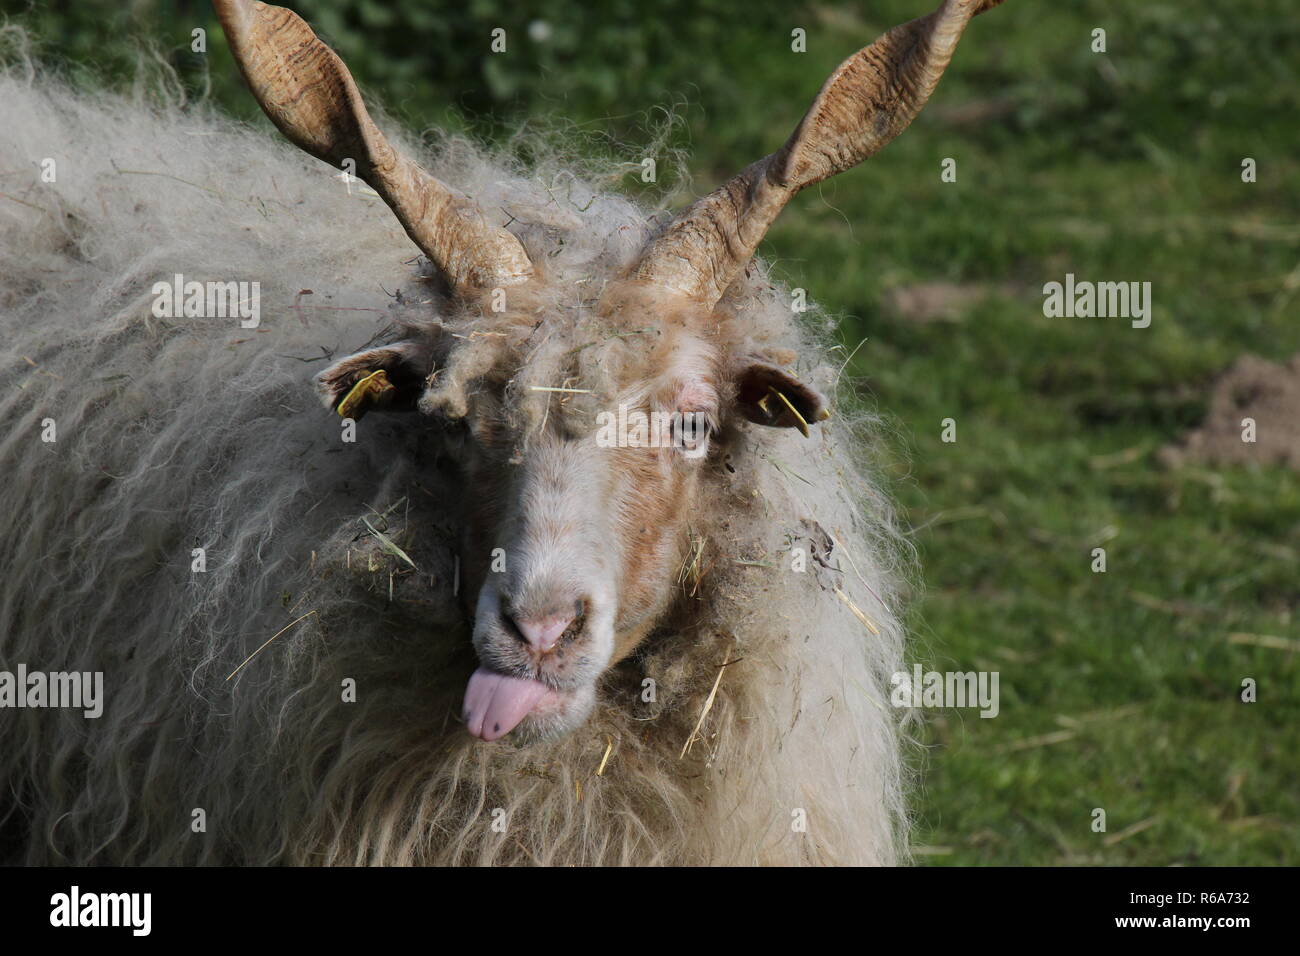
[800,422]
[374,389]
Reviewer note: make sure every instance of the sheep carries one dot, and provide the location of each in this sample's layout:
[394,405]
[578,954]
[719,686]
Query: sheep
[577,573]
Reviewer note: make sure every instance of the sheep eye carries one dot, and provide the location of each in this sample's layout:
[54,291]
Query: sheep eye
[691,430]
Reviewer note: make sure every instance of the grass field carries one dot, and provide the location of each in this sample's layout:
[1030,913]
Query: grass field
[1120,690]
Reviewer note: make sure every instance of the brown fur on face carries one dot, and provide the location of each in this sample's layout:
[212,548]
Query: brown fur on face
[567,515]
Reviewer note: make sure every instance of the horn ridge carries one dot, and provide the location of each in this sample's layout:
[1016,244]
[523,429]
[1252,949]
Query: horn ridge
[867,101]
[307,92]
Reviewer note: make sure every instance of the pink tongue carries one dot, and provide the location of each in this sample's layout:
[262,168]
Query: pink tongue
[495,704]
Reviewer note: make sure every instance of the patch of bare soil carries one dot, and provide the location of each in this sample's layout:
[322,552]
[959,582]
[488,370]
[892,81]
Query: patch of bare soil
[1251,388]
[941,301]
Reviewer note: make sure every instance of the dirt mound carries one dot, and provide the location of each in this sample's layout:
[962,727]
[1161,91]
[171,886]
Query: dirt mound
[942,301]
[1251,388]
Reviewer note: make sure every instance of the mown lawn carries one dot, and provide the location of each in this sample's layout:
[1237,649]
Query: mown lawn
[1119,689]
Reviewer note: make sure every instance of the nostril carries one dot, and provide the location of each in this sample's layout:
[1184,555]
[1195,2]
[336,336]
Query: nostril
[544,632]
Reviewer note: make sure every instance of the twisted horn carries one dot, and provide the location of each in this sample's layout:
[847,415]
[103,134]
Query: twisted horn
[310,96]
[869,99]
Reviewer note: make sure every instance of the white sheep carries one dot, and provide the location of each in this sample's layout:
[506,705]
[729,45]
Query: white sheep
[598,585]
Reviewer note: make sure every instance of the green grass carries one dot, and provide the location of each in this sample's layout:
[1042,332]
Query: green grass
[1119,690]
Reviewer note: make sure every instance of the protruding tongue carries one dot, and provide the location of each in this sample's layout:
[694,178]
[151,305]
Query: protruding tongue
[495,704]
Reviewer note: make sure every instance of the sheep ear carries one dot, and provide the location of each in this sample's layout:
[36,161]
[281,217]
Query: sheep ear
[766,394]
[390,378]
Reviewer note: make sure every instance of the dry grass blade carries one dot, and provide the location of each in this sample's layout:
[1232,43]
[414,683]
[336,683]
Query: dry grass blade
[870,697]
[609,749]
[1127,832]
[1043,740]
[268,642]
[531,856]
[800,422]
[783,469]
[931,850]
[690,569]
[24,202]
[704,712]
[1265,640]
[835,540]
[1169,607]
[1074,722]
[1125,457]
[388,544]
[857,612]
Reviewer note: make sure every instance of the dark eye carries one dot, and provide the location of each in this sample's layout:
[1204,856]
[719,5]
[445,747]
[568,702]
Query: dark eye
[691,430]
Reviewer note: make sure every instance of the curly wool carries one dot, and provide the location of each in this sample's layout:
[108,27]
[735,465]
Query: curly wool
[179,434]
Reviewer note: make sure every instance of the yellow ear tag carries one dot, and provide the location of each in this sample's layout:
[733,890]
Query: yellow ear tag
[800,422]
[375,387]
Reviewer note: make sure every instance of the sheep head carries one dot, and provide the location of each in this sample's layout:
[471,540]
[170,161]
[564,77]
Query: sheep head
[576,534]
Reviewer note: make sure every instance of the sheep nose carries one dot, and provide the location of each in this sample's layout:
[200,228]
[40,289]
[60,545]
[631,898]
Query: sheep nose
[543,631]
